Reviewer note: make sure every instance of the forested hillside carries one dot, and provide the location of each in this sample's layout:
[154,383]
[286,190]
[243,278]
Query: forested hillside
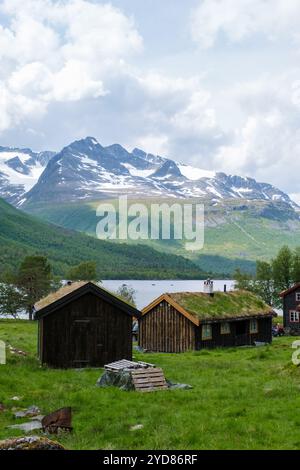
[22,234]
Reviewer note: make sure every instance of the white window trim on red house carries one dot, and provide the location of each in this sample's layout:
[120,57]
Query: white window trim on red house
[297,296]
[294,316]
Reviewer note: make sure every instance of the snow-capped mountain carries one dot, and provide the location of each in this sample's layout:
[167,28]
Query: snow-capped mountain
[20,169]
[85,170]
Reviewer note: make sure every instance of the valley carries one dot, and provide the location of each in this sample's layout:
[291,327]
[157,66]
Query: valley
[245,220]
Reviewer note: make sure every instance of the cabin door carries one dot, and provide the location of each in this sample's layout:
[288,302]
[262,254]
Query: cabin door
[81,341]
[241,337]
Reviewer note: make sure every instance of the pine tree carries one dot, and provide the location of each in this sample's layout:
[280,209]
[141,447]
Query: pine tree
[34,279]
[85,271]
[296,266]
[243,281]
[282,271]
[11,300]
[264,284]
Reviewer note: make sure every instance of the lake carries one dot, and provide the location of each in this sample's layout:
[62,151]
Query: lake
[146,291]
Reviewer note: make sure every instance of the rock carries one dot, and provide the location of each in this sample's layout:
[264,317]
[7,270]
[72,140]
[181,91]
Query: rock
[139,349]
[37,418]
[28,426]
[30,412]
[174,386]
[16,398]
[30,443]
[136,427]
[19,352]
[121,379]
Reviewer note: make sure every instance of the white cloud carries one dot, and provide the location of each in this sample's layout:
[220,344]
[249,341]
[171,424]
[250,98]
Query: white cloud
[175,115]
[238,20]
[267,145]
[156,144]
[59,51]
[71,68]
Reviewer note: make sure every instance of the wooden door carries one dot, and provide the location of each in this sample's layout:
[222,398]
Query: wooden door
[88,343]
[81,343]
[241,333]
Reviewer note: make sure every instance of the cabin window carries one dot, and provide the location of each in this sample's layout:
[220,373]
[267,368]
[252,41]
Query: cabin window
[253,326]
[298,297]
[206,332]
[294,316]
[225,328]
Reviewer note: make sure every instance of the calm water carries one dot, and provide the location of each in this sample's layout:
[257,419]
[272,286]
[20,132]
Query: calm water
[146,291]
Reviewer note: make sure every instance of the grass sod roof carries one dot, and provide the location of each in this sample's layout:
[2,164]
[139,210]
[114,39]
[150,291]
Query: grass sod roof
[222,306]
[68,289]
[59,294]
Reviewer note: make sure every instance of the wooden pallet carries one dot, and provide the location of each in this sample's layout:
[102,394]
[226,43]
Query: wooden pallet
[149,380]
[125,364]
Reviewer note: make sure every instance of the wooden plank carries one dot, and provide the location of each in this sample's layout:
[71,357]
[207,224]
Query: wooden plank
[125,364]
[147,375]
[144,376]
[147,371]
[150,385]
[148,380]
[151,380]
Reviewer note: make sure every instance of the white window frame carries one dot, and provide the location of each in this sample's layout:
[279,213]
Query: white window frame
[294,316]
[253,331]
[225,328]
[206,338]
[297,296]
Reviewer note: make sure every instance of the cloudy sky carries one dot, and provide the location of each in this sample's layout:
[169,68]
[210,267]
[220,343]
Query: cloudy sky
[214,83]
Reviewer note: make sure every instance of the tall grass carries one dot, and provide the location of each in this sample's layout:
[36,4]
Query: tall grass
[242,398]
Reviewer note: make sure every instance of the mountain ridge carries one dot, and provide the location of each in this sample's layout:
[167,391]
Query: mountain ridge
[86,170]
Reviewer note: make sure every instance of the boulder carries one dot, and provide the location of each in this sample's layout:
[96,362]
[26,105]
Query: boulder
[30,443]
[121,379]
[29,413]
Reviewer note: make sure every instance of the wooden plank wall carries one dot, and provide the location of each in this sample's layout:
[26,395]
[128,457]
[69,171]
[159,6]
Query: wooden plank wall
[88,327]
[230,340]
[289,303]
[163,329]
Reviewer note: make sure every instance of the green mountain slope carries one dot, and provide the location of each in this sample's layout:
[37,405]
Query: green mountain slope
[237,233]
[22,234]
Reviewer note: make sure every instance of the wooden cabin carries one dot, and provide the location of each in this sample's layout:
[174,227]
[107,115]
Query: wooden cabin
[185,321]
[291,308]
[83,325]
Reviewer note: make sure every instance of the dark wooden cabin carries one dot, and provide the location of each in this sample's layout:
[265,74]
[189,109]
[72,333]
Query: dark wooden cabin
[82,325]
[191,321]
[291,308]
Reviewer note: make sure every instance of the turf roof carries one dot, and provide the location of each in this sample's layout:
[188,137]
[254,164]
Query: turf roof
[235,304]
[67,289]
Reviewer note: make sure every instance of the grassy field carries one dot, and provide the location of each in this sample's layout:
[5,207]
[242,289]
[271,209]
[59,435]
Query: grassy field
[243,398]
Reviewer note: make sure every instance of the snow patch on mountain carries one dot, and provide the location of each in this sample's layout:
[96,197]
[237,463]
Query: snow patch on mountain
[195,174]
[20,170]
[85,170]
